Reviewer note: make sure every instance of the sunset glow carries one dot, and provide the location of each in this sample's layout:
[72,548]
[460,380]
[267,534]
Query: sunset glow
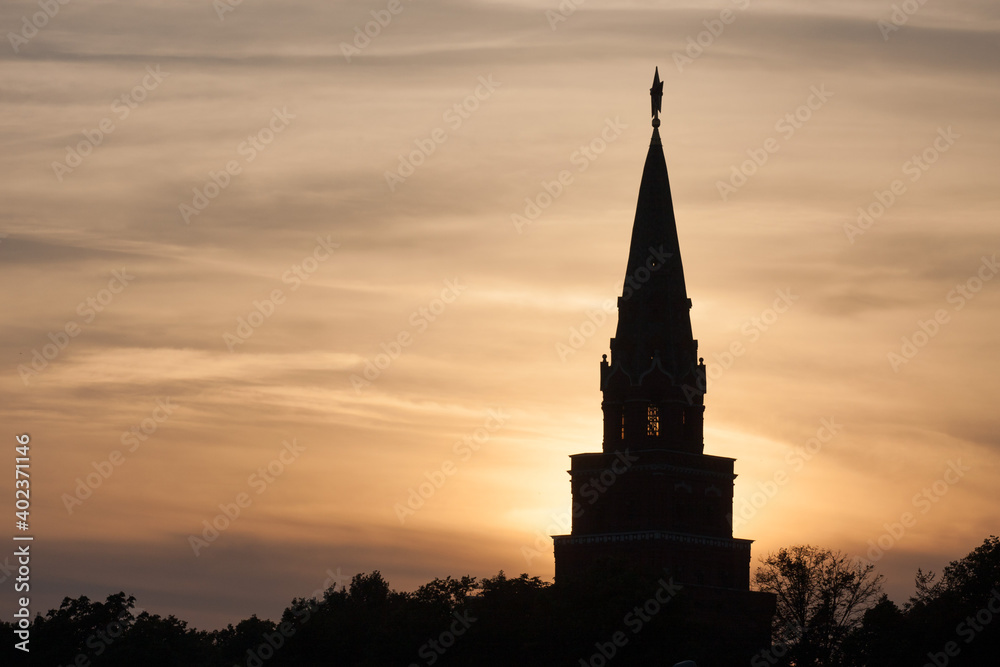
[352,299]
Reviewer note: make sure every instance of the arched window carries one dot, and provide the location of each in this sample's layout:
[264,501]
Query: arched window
[652,420]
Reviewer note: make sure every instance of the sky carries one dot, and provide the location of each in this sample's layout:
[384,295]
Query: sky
[337,278]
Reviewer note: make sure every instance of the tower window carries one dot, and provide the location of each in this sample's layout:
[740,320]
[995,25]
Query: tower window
[652,420]
[623,425]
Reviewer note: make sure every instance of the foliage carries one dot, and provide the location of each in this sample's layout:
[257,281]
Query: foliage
[500,621]
[821,596]
[953,620]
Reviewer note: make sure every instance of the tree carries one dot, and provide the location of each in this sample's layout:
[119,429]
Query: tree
[883,638]
[966,582]
[961,609]
[448,594]
[821,597]
[81,627]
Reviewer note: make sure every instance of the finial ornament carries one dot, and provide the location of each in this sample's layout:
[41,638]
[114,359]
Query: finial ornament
[656,97]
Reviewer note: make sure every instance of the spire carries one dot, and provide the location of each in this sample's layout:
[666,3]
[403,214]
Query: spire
[653,311]
[656,97]
[654,384]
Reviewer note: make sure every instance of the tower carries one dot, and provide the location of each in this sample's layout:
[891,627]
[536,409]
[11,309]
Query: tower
[652,500]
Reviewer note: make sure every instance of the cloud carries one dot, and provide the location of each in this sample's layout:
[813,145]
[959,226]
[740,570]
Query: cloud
[322,179]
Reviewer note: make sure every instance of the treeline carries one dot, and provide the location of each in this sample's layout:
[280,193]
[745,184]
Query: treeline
[831,612]
[497,621]
[952,620]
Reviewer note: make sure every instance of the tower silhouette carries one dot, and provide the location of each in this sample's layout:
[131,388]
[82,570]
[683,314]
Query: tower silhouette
[652,500]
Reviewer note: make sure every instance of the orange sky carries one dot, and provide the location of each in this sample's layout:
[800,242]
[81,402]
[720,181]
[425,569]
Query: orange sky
[168,171]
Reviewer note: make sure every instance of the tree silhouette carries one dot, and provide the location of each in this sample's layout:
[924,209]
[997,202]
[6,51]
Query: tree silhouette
[821,597]
[830,613]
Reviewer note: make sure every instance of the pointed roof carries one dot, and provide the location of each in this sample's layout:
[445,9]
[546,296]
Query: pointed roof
[653,312]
